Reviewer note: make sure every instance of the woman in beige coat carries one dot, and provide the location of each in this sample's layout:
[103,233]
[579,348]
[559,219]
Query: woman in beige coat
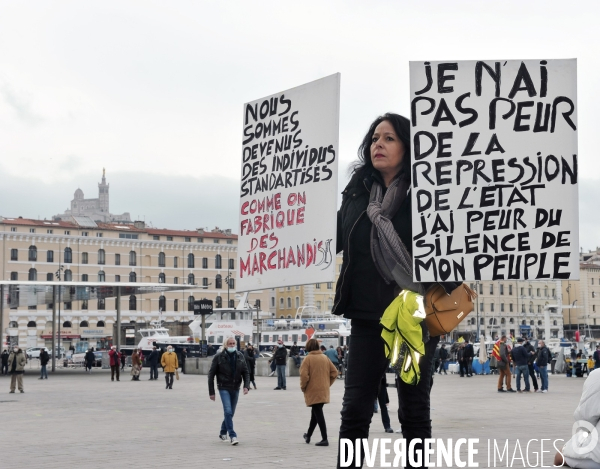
[317,374]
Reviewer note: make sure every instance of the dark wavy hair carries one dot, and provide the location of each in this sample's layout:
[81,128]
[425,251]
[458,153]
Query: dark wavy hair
[401,126]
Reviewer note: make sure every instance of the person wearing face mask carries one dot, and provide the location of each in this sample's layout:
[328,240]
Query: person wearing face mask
[16,367]
[170,364]
[280,359]
[230,368]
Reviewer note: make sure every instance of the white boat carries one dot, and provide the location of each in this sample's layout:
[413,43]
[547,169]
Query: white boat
[241,323]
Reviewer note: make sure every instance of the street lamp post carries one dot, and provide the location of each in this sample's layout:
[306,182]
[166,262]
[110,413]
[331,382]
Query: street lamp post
[227,281]
[257,306]
[58,275]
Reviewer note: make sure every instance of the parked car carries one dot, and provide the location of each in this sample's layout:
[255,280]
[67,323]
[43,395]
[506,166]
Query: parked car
[34,352]
[62,352]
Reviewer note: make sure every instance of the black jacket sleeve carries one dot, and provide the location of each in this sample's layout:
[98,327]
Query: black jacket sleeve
[246,374]
[211,375]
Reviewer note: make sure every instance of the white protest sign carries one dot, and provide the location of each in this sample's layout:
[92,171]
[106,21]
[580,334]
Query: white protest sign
[494,154]
[288,199]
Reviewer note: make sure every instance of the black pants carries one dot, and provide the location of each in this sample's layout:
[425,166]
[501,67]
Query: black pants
[366,365]
[113,370]
[4,369]
[462,366]
[169,379]
[317,417]
[382,398]
[533,378]
[154,371]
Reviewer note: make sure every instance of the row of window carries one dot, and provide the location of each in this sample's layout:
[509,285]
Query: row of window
[510,290]
[68,258]
[282,303]
[510,308]
[162,304]
[494,322]
[68,277]
[187,239]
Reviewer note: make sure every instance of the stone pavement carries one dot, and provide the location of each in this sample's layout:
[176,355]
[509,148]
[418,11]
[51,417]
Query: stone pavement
[79,420]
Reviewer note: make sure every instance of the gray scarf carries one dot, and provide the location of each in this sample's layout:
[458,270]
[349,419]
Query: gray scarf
[392,259]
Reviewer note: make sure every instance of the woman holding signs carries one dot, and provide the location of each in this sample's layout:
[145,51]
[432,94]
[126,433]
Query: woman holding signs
[377,203]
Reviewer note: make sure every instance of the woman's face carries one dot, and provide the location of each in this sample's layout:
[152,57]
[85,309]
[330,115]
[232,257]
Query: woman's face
[387,151]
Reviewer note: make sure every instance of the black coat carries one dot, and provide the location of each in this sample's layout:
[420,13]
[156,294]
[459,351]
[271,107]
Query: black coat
[280,356]
[361,292]
[543,356]
[520,355]
[226,379]
[44,357]
[469,352]
[530,353]
[4,358]
[153,358]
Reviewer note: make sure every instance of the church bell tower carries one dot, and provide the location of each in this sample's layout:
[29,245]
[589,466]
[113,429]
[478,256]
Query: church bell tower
[103,194]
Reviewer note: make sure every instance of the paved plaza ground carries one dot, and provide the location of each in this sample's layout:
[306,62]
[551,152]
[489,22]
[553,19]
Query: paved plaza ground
[79,420]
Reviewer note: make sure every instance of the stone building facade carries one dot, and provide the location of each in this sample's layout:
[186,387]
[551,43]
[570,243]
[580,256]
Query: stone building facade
[111,252]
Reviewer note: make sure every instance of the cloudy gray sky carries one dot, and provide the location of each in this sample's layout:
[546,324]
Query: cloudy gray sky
[153,91]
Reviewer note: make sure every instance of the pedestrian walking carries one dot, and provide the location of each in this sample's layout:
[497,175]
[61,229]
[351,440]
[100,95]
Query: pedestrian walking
[250,357]
[597,357]
[230,368]
[443,359]
[4,361]
[542,359]
[123,361]
[530,359]
[136,366]
[16,367]
[170,364]
[317,375]
[115,358]
[89,359]
[44,359]
[376,209]
[153,361]
[520,357]
[280,359]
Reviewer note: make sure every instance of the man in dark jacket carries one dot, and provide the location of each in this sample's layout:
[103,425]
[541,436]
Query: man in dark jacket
[44,359]
[280,359]
[469,355]
[531,358]
[230,368]
[542,360]
[520,357]
[295,354]
[4,358]
[462,361]
[90,359]
[443,358]
[153,361]
[596,357]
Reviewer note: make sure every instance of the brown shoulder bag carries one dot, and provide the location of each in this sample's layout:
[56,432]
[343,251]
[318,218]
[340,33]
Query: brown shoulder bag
[444,312]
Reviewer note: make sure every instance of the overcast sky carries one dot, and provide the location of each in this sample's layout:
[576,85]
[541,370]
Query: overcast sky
[153,91]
